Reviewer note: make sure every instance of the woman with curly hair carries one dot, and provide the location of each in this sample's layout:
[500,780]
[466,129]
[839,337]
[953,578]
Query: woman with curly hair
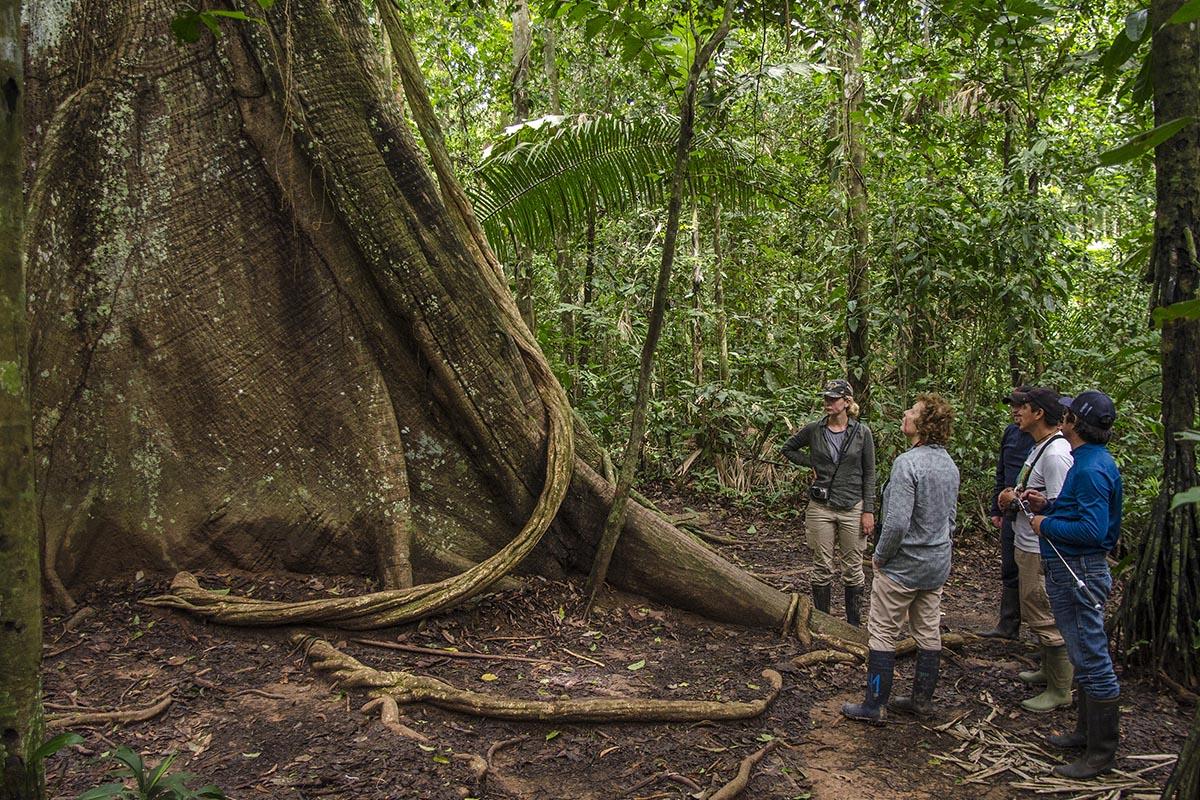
[912,560]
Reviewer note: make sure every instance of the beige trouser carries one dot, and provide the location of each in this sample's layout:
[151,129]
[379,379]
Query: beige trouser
[826,526]
[892,603]
[1035,605]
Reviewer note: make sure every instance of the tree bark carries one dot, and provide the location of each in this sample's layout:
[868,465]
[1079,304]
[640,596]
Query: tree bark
[263,337]
[722,324]
[697,326]
[563,261]
[858,222]
[20,584]
[522,45]
[1163,599]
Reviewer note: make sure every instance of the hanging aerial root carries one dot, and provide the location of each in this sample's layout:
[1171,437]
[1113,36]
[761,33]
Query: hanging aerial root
[405,687]
[399,606]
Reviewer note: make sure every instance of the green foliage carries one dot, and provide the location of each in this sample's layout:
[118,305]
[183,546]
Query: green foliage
[1144,141]
[550,174]
[150,784]
[188,21]
[54,744]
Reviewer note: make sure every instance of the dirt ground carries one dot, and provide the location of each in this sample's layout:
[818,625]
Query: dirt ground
[250,715]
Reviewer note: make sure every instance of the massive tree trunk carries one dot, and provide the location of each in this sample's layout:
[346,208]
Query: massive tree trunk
[262,339]
[20,584]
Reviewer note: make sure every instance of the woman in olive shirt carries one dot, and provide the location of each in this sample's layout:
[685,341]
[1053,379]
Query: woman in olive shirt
[841,507]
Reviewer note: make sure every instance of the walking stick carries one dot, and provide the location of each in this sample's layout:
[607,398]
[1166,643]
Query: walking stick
[1091,598]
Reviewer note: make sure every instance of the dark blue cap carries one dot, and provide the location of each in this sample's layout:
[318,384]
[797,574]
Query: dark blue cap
[1093,407]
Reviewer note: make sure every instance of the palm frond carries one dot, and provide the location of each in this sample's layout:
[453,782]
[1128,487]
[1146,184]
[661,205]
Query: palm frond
[549,174]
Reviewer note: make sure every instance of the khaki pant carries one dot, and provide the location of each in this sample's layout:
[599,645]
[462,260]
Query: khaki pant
[1035,605]
[892,603]
[826,526]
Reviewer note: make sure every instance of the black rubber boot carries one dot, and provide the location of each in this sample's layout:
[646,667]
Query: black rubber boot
[1103,736]
[1009,626]
[881,664]
[821,598]
[854,605]
[1078,739]
[924,682]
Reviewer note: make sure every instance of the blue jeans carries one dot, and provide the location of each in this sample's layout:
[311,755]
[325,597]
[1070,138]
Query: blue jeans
[1081,625]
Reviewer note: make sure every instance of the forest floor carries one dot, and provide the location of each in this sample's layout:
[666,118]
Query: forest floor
[250,715]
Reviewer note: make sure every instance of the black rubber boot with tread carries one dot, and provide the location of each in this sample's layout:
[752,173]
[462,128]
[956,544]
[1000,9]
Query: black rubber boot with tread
[1078,739]
[925,680]
[1103,736]
[881,666]
[1009,626]
[820,595]
[854,605]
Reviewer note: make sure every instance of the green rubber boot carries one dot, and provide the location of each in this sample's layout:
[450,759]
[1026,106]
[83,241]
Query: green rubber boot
[1059,674]
[1032,677]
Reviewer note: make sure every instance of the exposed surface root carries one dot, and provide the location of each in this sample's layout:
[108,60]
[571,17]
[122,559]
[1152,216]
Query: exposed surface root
[405,687]
[824,657]
[735,786]
[160,704]
[389,715]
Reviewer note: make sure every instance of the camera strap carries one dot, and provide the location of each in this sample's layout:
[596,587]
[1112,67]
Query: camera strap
[842,453]
[1049,441]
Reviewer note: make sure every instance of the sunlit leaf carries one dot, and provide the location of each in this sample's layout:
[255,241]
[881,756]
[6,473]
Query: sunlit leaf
[1144,141]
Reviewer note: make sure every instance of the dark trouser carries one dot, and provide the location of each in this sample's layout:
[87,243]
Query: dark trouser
[1008,558]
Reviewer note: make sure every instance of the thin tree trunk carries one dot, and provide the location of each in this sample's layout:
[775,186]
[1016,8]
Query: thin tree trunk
[721,331]
[522,44]
[697,326]
[20,573]
[563,262]
[858,222]
[687,118]
[589,276]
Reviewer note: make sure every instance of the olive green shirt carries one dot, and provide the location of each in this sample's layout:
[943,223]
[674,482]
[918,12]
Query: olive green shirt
[855,479]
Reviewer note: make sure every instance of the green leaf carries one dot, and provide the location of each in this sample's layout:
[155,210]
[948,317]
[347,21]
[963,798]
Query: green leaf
[1144,141]
[552,735]
[1188,436]
[440,759]
[1192,495]
[1188,12]
[53,745]
[104,792]
[1187,309]
[552,173]
[635,666]
[186,27]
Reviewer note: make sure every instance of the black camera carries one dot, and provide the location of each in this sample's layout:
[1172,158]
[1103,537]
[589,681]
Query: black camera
[818,493]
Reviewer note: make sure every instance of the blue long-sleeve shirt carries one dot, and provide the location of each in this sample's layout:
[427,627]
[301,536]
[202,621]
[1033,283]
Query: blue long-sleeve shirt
[1085,518]
[1015,445]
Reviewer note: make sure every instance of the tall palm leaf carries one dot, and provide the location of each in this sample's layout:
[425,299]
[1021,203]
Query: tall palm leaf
[548,174]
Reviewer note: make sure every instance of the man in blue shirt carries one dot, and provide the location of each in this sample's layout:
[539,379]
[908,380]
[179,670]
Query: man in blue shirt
[1015,445]
[1078,530]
